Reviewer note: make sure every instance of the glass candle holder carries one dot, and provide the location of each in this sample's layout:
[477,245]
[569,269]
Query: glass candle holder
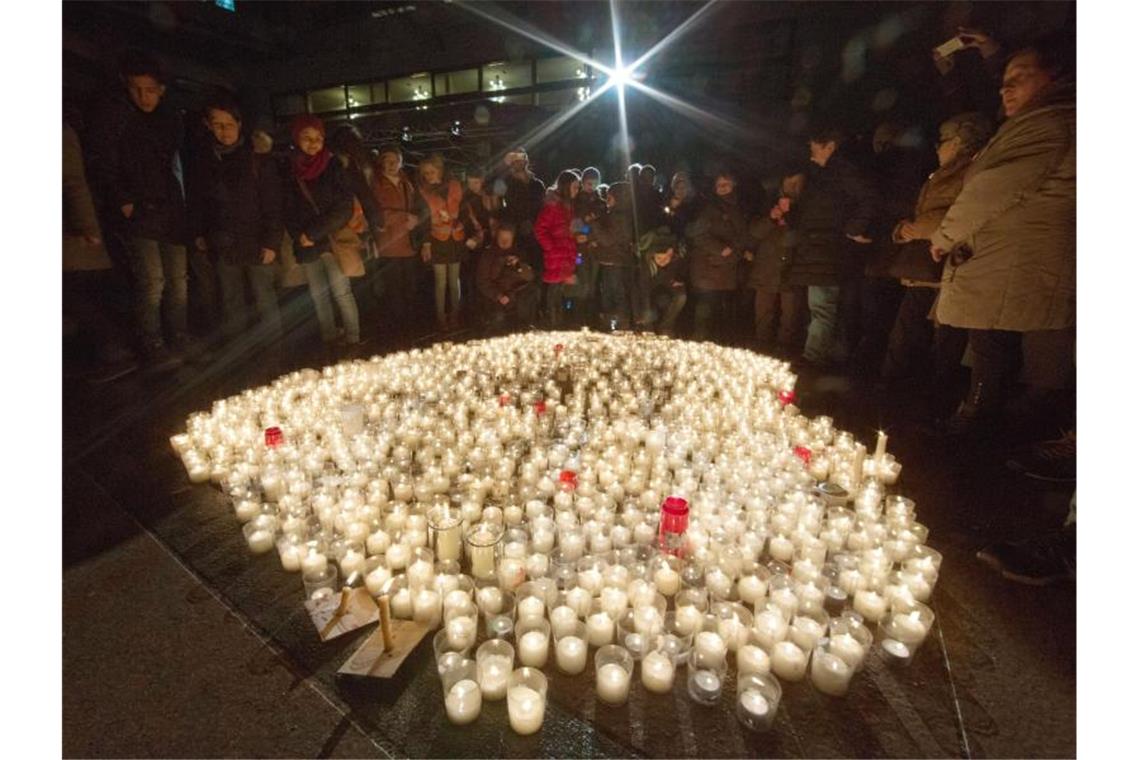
[789,662]
[753,584]
[637,635]
[830,673]
[733,623]
[376,575]
[706,674]
[533,639]
[904,630]
[526,700]
[562,617]
[673,525]
[673,641]
[445,532]
[483,542]
[665,571]
[463,699]
[570,647]
[600,627]
[658,669]
[613,668]
[496,661]
[320,582]
[530,602]
[290,550]
[850,640]
[808,628]
[260,534]
[690,606]
[926,561]
[757,699]
[447,654]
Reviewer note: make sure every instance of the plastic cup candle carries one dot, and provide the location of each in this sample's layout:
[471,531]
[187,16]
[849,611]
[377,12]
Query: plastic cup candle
[711,647]
[495,660]
[789,662]
[752,659]
[689,619]
[600,629]
[461,631]
[871,605]
[751,589]
[614,667]
[526,701]
[426,607]
[531,610]
[758,697]
[579,599]
[657,672]
[570,649]
[563,620]
[667,580]
[464,700]
[534,643]
[805,632]
[398,556]
[829,673]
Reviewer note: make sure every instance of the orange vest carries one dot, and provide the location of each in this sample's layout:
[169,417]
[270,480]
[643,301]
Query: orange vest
[445,211]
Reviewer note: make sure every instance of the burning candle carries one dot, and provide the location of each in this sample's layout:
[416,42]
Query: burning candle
[657,672]
[614,666]
[830,673]
[600,629]
[526,701]
[752,659]
[463,702]
[534,643]
[570,654]
[789,662]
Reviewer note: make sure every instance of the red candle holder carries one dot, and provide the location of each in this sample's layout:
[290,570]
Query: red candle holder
[558,347]
[568,479]
[540,407]
[274,437]
[804,453]
[786,397]
[505,399]
[671,529]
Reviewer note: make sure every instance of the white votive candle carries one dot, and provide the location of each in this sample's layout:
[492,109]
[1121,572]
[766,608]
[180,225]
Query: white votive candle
[657,672]
[600,629]
[377,579]
[525,709]
[490,600]
[579,599]
[667,580]
[563,619]
[461,632]
[397,556]
[494,673]
[689,619]
[352,562]
[751,589]
[402,604]
[534,646]
[613,683]
[426,607]
[847,648]
[570,654]
[752,659]
[314,563]
[531,610]
[805,632]
[711,647]
[789,662]
[871,605]
[463,702]
[830,674]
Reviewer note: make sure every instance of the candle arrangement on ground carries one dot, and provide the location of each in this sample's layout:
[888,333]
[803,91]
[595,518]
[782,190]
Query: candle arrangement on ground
[662,504]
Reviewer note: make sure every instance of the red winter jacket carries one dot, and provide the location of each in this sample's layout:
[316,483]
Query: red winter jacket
[559,251]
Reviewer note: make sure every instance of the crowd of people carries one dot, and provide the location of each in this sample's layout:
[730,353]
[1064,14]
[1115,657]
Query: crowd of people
[882,268]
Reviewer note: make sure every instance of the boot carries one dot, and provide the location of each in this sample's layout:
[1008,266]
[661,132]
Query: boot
[975,415]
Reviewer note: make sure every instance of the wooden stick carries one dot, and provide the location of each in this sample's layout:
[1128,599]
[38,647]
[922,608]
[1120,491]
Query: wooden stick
[386,622]
[338,614]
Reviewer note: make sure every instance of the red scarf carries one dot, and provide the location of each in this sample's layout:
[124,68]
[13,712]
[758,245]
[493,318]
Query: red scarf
[308,168]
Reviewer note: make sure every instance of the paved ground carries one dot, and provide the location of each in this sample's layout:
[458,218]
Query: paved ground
[179,643]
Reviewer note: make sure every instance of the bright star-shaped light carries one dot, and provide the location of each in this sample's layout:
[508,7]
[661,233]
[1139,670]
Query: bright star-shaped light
[621,76]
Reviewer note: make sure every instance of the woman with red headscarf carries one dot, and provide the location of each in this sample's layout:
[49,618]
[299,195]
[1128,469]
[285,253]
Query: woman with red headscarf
[319,203]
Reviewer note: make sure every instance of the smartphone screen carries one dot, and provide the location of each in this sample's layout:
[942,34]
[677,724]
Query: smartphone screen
[950,46]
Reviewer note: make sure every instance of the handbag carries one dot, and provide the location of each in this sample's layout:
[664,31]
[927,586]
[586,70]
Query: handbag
[345,243]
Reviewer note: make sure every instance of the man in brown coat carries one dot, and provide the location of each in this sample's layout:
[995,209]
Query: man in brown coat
[1010,237]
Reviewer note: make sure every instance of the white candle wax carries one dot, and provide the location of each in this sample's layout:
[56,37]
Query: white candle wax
[260,541]
[847,648]
[525,709]
[534,646]
[789,662]
[648,621]
[426,607]
[463,702]
[591,580]
[570,654]
[543,541]
[494,674]
[402,604]
[830,674]
[531,609]
[490,600]
[643,534]
[711,647]
[397,556]
[461,632]
[449,543]
[614,602]
[781,548]
[537,565]
[880,446]
[667,580]
[246,509]
[512,573]
[613,683]
[314,563]
[291,556]
[752,659]
[599,629]
[573,545]
[378,542]
[909,629]
[805,632]
[871,605]
[376,580]
[579,599]
[420,574]
[351,562]
[563,620]
[657,672]
[482,556]
[734,632]
[751,589]
[689,619]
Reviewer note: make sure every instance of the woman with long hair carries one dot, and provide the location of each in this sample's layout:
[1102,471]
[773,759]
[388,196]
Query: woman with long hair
[559,248]
[444,245]
[318,204]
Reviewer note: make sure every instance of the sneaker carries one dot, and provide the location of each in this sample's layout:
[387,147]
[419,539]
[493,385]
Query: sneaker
[113,370]
[1054,461]
[158,358]
[1036,561]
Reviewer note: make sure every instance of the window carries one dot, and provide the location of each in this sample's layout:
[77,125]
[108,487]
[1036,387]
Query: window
[415,87]
[288,105]
[361,95]
[457,82]
[559,99]
[331,99]
[561,69]
[518,100]
[506,75]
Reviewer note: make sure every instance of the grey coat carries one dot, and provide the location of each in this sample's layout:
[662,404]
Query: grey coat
[1012,229]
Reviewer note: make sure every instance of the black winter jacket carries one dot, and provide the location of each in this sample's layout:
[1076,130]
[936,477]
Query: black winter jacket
[720,224]
[332,197]
[613,236]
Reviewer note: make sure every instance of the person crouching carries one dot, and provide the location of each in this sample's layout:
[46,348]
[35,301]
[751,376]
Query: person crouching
[506,283]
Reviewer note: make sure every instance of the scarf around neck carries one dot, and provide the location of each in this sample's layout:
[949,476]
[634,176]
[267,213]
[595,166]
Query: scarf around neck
[308,168]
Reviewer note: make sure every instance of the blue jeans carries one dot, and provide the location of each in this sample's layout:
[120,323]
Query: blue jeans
[324,276]
[160,285]
[823,331]
[234,308]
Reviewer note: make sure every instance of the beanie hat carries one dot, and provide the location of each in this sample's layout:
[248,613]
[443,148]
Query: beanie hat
[656,241]
[303,122]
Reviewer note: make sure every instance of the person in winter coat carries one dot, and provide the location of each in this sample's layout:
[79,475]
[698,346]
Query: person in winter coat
[86,265]
[662,274]
[133,142]
[776,303]
[347,144]
[319,202]
[400,207]
[682,207]
[719,236]
[559,247]
[835,212]
[234,211]
[908,259]
[478,210]
[1009,239]
[505,282]
[523,197]
[444,246]
[612,247]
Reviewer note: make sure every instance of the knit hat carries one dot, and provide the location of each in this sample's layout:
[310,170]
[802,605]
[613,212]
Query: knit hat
[656,241]
[974,129]
[303,122]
